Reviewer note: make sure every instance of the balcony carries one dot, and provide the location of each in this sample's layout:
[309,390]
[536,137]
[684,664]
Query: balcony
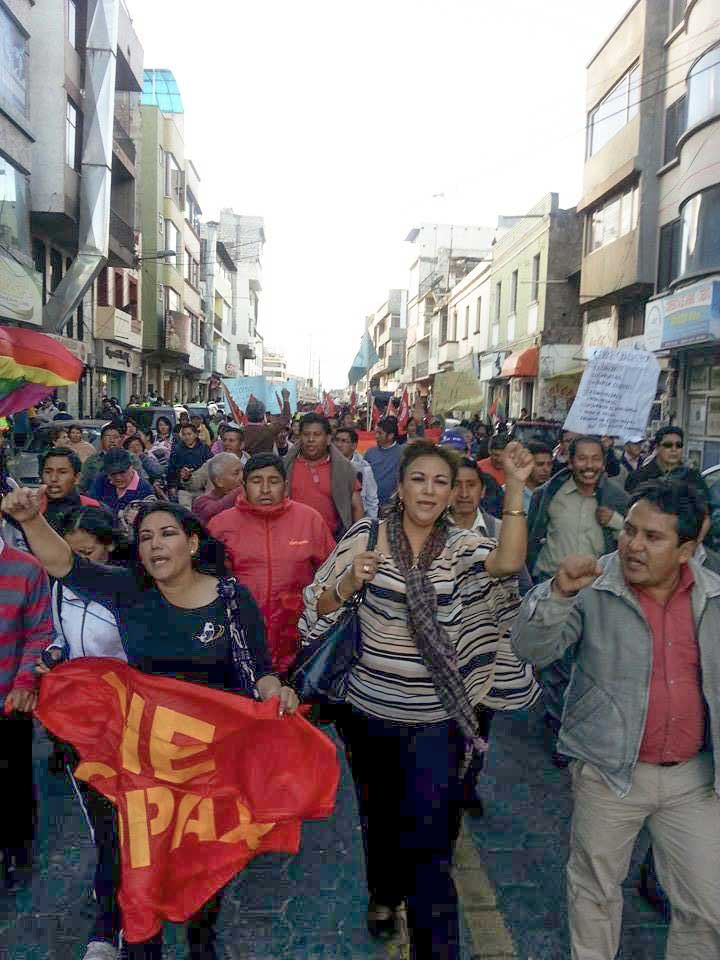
[114,324]
[420,370]
[447,352]
[124,147]
[196,356]
[121,251]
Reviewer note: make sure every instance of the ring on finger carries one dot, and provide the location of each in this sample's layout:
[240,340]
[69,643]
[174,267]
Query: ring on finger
[366,568]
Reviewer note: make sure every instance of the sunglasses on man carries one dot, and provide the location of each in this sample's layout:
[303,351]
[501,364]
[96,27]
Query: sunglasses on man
[672,444]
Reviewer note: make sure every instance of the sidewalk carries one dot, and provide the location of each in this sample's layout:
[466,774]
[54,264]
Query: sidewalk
[523,842]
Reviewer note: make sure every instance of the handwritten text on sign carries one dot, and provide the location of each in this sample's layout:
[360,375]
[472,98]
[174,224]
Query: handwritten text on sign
[616,393]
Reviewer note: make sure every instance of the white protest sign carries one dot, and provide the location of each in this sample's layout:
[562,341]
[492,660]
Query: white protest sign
[615,394]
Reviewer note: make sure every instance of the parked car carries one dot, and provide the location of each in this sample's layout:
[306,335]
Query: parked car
[540,431]
[147,417]
[24,465]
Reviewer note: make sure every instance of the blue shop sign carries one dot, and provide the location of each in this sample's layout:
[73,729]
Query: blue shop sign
[690,315]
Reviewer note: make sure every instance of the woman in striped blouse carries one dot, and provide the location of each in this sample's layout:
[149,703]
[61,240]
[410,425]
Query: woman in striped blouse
[435,620]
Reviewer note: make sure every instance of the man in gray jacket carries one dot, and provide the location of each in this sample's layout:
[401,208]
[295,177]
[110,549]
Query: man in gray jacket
[641,719]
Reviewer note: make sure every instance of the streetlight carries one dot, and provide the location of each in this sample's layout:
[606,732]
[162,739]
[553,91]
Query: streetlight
[162,255]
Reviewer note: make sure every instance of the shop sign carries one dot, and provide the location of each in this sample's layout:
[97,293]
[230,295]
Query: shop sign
[598,334]
[20,292]
[691,315]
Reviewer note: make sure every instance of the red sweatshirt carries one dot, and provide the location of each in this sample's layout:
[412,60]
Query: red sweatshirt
[25,618]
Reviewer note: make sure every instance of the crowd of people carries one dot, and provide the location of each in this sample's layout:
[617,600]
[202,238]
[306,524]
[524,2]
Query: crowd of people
[487,574]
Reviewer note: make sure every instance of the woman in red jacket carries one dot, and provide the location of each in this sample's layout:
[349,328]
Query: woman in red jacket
[274,546]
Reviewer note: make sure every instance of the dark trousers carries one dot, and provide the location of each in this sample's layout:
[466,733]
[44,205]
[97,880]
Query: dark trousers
[200,936]
[17,823]
[409,792]
[103,817]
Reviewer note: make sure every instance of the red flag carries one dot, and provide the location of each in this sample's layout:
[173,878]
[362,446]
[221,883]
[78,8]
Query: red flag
[237,414]
[404,412]
[328,405]
[375,414]
[203,780]
[353,403]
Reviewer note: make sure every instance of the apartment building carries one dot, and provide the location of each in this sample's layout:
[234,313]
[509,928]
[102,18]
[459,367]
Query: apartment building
[443,254]
[20,283]
[387,329]
[625,120]
[534,330]
[174,353]
[218,283]
[58,72]
[682,320]
[274,366]
[244,239]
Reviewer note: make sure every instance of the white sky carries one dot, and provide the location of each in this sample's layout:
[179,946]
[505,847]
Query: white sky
[338,122]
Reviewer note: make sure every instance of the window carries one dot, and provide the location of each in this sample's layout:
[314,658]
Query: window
[614,220]
[56,269]
[195,329]
[172,300]
[498,299]
[172,242]
[102,288]
[700,242]
[615,110]
[669,256]
[478,314]
[513,291]
[466,325]
[444,326]
[133,304]
[674,127]
[71,18]
[187,260]
[119,278]
[632,320]
[454,331]
[703,96]
[677,12]
[495,334]
[72,137]
[14,208]
[80,321]
[172,175]
[535,279]
[14,65]
[38,254]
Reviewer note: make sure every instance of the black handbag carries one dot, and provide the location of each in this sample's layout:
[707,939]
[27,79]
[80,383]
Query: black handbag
[321,670]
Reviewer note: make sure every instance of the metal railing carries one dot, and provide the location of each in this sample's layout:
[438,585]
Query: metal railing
[123,139]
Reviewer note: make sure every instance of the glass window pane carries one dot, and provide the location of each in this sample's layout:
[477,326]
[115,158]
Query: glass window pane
[700,247]
[14,61]
[704,87]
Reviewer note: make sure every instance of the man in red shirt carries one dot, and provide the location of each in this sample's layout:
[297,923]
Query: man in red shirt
[274,546]
[320,476]
[493,465]
[641,718]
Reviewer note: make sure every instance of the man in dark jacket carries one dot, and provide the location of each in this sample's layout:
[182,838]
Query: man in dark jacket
[578,511]
[187,456]
[668,461]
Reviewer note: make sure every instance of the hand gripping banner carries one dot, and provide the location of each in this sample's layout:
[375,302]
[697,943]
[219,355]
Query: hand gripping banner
[203,780]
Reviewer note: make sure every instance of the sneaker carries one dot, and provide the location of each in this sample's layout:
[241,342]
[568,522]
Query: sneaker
[100,950]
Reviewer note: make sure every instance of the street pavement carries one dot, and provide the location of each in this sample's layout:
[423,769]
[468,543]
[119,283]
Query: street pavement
[509,871]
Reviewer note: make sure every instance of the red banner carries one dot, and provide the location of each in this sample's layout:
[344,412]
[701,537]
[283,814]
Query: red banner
[203,780]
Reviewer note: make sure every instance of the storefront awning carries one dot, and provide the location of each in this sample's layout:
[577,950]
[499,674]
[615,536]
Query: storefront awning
[523,363]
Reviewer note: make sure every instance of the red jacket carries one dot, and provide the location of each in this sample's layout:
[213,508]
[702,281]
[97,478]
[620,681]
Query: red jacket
[274,552]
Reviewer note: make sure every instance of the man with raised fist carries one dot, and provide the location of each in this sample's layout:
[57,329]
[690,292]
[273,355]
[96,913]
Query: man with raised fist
[641,719]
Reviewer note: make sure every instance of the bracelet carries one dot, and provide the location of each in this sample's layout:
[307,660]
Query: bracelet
[514,513]
[343,600]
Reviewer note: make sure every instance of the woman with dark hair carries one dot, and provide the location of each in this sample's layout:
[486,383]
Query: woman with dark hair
[164,436]
[136,444]
[175,620]
[438,606]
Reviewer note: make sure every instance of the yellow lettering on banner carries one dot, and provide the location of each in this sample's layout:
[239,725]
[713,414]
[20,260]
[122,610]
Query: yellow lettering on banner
[162,799]
[138,828]
[130,746]
[203,825]
[166,723]
[247,831]
[116,683]
[89,769]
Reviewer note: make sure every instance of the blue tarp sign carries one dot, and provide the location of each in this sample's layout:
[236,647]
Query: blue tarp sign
[242,388]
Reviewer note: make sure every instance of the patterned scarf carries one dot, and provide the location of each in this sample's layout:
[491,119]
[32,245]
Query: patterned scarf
[433,643]
[241,656]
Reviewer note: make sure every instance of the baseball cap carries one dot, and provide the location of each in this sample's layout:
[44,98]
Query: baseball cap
[116,460]
[634,438]
[454,439]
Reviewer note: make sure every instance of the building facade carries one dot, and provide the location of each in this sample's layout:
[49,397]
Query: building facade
[387,329]
[274,367]
[244,240]
[682,320]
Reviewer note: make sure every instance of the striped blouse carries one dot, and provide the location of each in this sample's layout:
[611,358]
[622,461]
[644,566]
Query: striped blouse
[391,680]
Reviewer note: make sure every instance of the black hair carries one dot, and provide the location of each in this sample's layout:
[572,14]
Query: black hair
[255,410]
[110,426]
[309,418]
[61,452]
[389,425]
[164,419]
[97,521]
[61,405]
[210,557]
[426,448]
[576,441]
[189,426]
[669,431]
[498,442]
[57,432]
[128,440]
[678,499]
[350,431]
[262,460]
[469,464]
[536,446]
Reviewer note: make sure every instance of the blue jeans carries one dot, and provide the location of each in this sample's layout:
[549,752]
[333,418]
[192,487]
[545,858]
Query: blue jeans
[409,792]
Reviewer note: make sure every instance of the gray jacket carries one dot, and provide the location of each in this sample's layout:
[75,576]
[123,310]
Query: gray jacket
[607,698]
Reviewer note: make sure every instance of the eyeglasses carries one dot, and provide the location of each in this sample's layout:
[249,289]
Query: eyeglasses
[672,446]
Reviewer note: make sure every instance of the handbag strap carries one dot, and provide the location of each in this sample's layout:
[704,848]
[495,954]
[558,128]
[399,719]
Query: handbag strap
[242,660]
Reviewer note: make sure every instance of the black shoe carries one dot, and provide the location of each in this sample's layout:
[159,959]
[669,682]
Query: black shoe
[382,928]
